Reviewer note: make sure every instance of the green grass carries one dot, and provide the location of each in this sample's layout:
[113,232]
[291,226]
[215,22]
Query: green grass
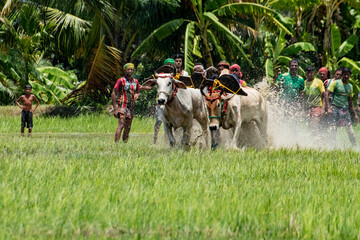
[57,184]
[10,119]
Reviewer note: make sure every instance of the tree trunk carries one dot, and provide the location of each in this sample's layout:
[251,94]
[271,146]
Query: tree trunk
[330,9]
[326,46]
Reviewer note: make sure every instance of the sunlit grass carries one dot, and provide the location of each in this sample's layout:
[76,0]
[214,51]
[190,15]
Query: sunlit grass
[85,123]
[66,185]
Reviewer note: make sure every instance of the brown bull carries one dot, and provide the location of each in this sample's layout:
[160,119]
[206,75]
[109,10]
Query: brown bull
[232,111]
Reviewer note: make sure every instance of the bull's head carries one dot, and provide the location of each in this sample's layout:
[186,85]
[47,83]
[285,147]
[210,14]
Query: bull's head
[215,101]
[166,86]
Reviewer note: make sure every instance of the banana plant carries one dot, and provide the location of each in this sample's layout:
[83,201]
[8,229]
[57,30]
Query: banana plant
[53,84]
[340,49]
[206,35]
[279,57]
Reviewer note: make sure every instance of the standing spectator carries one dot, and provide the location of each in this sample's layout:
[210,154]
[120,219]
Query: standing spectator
[236,70]
[179,65]
[342,104]
[290,85]
[129,90]
[338,75]
[27,110]
[323,74]
[314,100]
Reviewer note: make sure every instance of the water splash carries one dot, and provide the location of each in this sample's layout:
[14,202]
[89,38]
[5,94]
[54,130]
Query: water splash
[289,127]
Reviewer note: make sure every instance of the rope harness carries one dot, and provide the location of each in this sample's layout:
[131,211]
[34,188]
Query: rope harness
[217,84]
[224,104]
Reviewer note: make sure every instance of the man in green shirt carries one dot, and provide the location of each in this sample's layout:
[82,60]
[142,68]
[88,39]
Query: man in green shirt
[342,104]
[290,84]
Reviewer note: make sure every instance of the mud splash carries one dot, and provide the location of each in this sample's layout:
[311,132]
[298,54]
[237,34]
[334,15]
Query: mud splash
[290,128]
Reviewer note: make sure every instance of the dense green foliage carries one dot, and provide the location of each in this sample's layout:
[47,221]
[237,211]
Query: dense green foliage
[71,181]
[91,39]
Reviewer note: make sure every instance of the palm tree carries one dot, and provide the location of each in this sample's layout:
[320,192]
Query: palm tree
[206,34]
[82,31]
[22,63]
[105,32]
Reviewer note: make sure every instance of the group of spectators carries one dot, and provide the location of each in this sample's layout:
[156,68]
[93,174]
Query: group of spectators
[328,102]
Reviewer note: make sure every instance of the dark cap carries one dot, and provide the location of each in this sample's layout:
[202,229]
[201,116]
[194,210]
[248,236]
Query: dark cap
[178,55]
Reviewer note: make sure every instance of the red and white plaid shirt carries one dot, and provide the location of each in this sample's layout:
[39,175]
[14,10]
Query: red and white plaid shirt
[127,88]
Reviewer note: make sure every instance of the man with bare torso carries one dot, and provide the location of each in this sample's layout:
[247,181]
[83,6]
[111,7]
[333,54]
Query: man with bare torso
[27,110]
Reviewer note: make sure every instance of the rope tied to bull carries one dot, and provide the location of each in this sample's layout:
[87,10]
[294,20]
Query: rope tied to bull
[224,104]
[174,95]
[217,84]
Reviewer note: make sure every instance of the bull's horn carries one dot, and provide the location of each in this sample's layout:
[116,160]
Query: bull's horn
[202,91]
[179,84]
[242,92]
[226,97]
[150,82]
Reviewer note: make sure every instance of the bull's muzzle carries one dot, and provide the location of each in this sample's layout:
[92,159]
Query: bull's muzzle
[161,101]
[213,128]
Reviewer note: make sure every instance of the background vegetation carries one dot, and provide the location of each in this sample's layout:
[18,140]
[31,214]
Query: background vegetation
[71,52]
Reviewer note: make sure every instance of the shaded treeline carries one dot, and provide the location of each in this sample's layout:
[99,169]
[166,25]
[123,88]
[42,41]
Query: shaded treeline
[71,52]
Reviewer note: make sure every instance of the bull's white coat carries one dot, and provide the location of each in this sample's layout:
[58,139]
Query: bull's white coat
[241,110]
[181,109]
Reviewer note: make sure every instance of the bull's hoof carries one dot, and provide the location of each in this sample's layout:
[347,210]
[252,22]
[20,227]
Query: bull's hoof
[186,147]
[172,144]
[214,146]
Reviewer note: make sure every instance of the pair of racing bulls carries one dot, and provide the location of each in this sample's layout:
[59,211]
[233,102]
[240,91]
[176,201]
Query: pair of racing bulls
[181,104]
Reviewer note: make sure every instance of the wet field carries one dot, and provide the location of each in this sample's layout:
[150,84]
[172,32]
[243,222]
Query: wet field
[69,180]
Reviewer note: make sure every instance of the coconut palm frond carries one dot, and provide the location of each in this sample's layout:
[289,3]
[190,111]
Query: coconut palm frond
[235,40]
[104,70]
[216,44]
[64,20]
[253,8]
[160,33]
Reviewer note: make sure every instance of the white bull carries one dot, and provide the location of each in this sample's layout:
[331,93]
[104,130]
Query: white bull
[232,111]
[180,106]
